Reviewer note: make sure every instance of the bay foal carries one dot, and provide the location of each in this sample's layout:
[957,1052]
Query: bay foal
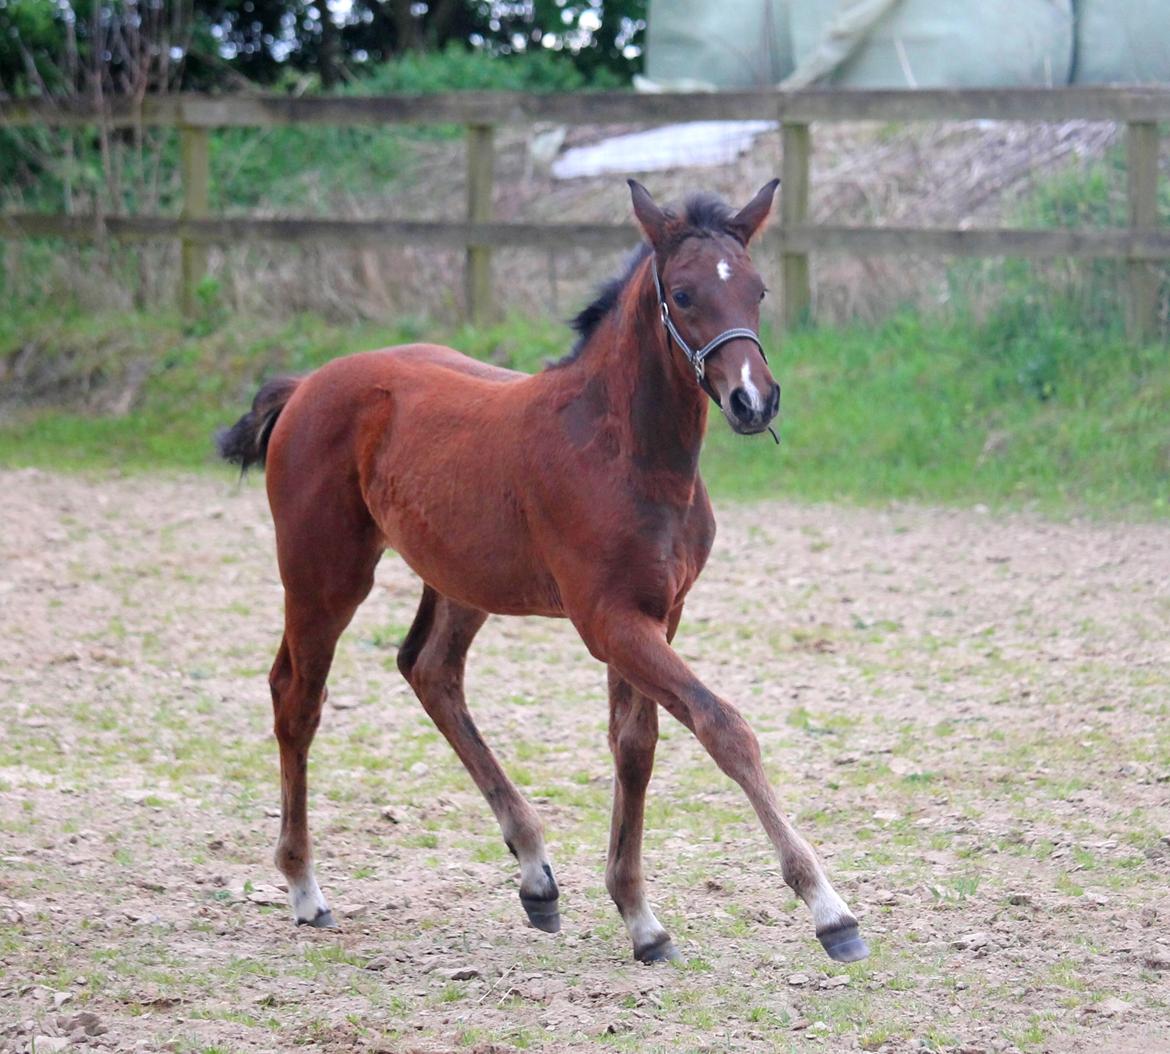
[572,493]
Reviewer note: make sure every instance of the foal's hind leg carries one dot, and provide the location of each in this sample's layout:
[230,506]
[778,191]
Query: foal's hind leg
[432,659]
[633,735]
[327,556]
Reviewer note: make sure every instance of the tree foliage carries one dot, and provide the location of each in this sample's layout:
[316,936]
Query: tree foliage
[122,46]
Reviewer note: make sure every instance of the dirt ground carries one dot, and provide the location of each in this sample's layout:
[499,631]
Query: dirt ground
[969,716]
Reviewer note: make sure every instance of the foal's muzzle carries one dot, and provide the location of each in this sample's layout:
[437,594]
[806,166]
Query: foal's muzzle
[749,411]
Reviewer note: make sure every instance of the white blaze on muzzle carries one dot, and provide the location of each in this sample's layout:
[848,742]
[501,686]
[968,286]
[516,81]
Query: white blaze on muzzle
[753,393]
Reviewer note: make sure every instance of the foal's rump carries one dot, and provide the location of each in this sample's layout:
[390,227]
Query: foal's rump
[399,448]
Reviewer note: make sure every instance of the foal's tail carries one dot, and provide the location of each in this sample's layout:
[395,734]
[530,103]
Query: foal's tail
[246,442]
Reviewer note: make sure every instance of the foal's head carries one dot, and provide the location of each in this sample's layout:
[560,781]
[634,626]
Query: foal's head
[710,287]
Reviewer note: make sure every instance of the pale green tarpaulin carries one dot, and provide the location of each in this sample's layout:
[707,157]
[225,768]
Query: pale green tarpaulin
[935,43]
[696,44]
[1122,41]
[905,43]
[840,38]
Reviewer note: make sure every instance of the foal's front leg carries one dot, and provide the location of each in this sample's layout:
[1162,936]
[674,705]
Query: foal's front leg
[637,647]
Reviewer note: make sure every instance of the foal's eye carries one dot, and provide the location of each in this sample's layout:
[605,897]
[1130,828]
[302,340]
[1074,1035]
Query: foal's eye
[682,299]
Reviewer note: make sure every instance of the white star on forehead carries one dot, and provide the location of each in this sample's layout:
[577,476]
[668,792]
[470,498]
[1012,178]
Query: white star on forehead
[723,269]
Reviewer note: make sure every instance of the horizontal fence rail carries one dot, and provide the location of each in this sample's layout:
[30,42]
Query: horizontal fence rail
[344,233]
[339,232]
[1087,103]
[793,238]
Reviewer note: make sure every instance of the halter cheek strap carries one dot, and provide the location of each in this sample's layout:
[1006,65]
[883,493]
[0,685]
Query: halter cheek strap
[698,358]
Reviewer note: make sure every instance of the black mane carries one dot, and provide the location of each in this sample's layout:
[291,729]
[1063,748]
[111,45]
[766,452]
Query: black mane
[585,324]
[702,214]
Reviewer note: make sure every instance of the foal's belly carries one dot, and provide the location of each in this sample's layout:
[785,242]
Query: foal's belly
[468,541]
[496,585]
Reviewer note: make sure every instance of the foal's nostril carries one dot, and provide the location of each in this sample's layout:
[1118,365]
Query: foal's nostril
[774,401]
[740,405]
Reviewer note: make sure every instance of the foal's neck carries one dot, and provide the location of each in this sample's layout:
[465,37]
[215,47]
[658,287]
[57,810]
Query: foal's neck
[658,408]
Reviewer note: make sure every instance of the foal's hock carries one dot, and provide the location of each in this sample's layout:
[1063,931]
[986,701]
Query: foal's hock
[574,493]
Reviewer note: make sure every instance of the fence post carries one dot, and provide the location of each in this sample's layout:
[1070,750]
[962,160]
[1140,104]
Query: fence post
[1142,171]
[794,193]
[478,270]
[194,159]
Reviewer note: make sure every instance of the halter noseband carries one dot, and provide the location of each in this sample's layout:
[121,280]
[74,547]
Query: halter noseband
[698,358]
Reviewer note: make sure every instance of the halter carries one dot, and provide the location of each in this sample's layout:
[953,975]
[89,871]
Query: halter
[698,358]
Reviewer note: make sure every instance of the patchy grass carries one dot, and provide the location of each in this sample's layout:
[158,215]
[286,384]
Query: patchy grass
[1002,413]
[989,798]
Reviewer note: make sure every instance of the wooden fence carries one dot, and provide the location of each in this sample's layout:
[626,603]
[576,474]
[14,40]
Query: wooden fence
[793,238]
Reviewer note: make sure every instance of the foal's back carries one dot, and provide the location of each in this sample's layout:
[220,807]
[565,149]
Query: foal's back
[352,408]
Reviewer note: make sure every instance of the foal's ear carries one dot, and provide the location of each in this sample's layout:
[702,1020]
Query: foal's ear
[749,219]
[650,216]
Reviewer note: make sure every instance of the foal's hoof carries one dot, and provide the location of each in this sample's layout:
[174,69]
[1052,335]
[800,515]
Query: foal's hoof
[543,914]
[661,951]
[323,920]
[843,943]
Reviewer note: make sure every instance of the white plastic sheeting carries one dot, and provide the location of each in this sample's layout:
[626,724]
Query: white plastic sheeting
[698,144]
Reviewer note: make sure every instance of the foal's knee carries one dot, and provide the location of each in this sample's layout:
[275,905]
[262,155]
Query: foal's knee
[280,676]
[727,736]
[296,706]
[296,726]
